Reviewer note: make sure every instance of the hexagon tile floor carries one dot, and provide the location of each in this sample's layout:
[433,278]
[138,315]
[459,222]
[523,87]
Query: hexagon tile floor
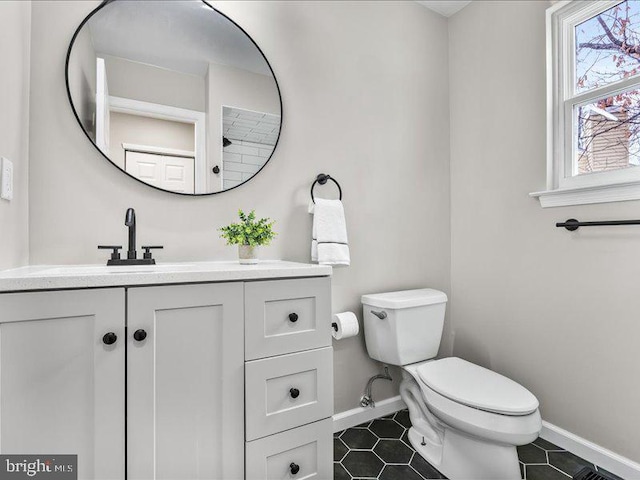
[380,450]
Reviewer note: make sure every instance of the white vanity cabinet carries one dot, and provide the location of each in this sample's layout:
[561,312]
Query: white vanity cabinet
[195,381]
[61,387]
[288,379]
[185,413]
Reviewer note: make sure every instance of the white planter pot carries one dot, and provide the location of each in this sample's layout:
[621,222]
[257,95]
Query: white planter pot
[247,254]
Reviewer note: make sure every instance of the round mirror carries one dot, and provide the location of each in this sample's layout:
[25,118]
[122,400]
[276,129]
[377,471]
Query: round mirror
[175,94]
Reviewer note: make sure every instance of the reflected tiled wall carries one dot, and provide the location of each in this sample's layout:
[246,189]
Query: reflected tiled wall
[242,160]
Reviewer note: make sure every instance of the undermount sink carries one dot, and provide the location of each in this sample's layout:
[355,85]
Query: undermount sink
[83,270]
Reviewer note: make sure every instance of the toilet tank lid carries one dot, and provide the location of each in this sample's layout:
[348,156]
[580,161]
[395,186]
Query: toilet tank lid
[405,298]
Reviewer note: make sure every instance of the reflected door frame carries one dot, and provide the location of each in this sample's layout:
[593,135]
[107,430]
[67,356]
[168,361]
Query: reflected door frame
[165,112]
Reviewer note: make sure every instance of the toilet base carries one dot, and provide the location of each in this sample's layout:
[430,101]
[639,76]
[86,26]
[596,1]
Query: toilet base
[463,457]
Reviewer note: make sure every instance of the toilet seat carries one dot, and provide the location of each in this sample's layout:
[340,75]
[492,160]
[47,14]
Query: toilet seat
[477,387]
[509,429]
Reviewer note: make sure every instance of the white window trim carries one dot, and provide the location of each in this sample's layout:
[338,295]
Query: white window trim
[564,189]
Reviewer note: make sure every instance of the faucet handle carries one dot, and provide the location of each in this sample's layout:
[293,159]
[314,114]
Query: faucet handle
[115,255]
[147,250]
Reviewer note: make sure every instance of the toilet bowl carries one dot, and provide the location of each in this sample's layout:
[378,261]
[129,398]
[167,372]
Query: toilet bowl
[466,420]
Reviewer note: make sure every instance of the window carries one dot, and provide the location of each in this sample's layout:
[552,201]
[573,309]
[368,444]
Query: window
[593,84]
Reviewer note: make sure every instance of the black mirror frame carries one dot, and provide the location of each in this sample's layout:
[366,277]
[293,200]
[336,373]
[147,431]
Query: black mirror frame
[75,113]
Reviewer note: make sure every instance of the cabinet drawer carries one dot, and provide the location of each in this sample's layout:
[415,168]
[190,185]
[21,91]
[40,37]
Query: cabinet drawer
[285,316]
[308,448]
[286,391]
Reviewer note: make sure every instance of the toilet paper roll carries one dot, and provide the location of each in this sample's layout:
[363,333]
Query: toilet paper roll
[345,325]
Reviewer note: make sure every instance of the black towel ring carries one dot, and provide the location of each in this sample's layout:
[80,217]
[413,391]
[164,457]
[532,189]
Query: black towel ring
[322,179]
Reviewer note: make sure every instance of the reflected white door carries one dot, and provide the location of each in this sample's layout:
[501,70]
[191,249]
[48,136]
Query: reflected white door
[61,386]
[163,171]
[103,113]
[185,382]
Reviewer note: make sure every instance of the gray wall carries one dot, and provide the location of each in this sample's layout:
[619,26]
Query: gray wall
[556,311]
[148,83]
[147,131]
[82,80]
[15,30]
[364,88]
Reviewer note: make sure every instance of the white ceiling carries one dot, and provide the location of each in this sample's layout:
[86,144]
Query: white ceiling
[445,8]
[183,36]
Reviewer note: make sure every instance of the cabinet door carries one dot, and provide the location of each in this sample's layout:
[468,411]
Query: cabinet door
[61,386]
[185,416]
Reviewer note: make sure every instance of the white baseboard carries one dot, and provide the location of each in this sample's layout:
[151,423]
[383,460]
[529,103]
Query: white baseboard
[359,415]
[600,456]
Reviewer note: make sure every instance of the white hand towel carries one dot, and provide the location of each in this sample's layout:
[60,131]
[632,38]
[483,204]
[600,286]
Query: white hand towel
[329,245]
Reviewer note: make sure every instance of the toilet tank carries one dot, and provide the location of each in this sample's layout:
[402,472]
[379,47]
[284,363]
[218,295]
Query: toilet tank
[412,328]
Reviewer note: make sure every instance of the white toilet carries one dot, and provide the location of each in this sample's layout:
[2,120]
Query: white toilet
[466,420]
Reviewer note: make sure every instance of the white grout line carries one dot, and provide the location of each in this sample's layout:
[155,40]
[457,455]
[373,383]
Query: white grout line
[564,473]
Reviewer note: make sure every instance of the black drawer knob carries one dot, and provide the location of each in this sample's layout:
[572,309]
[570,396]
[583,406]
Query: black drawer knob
[139,335]
[293,317]
[109,338]
[294,392]
[293,468]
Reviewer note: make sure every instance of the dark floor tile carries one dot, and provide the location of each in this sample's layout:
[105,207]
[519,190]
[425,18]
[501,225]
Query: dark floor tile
[339,473]
[359,438]
[531,454]
[615,477]
[521,470]
[362,464]
[402,417]
[541,442]
[544,472]
[339,449]
[424,468]
[386,429]
[399,472]
[405,438]
[393,451]
[568,462]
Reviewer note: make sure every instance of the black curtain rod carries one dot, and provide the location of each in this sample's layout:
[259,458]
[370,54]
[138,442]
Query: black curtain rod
[573,224]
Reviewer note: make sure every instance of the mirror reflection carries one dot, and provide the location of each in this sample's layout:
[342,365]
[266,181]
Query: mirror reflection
[174,94]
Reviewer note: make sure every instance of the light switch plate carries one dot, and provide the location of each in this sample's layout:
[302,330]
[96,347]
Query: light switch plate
[6,179]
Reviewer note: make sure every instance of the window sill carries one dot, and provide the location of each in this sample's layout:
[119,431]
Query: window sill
[563,197]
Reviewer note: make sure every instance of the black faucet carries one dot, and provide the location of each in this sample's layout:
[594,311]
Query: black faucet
[132,255]
[130,221]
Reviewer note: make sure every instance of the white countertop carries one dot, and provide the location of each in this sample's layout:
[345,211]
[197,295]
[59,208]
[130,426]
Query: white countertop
[48,277]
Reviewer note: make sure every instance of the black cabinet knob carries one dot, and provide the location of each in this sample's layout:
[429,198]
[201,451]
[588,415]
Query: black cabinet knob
[293,468]
[293,317]
[216,169]
[294,392]
[109,338]
[139,335]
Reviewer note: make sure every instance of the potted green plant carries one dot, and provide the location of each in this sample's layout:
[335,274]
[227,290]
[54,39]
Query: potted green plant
[248,234]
